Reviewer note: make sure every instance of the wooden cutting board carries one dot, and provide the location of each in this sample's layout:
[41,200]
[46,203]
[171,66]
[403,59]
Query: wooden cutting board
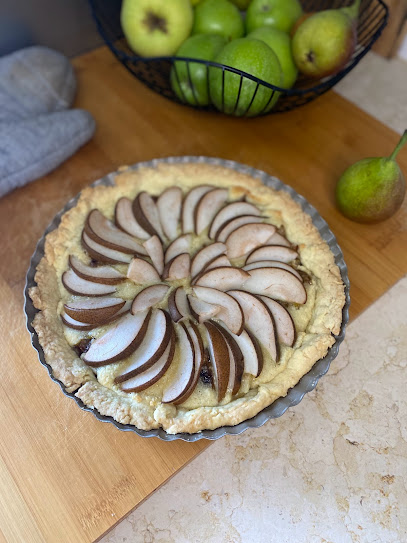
[64,476]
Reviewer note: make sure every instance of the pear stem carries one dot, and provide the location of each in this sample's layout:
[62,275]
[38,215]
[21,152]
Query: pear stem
[400,144]
[353,10]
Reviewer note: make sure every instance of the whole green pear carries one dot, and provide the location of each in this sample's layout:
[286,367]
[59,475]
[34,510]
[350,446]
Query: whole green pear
[372,189]
[189,80]
[281,14]
[325,41]
[219,17]
[237,96]
[280,43]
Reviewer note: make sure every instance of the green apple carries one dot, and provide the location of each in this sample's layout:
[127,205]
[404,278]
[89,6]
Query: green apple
[189,80]
[155,28]
[237,96]
[281,14]
[280,43]
[218,17]
[241,4]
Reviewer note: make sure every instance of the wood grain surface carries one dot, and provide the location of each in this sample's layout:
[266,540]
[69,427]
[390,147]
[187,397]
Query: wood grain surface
[65,476]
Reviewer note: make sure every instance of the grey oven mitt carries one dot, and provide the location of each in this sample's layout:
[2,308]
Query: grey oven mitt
[37,130]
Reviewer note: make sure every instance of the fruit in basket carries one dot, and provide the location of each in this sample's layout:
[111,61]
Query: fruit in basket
[237,97]
[324,42]
[281,14]
[189,81]
[280,43]
[219,17]
[372,189]
[156,28]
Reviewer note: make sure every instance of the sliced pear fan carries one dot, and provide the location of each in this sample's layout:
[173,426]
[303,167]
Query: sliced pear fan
[226,229]
[236,361]
[178,246]
[272,252]
[178,305]
[272,264]
[220,359]
[169,210]
[94,310]
[101,230]
[188,207]
[78,325]
[178,268]
[223,278]
[120,341]
[229,310]
[152,347]
[81,287]
[205,255]
[207,207]
[276,283]
[126,221]
[230,212]
[155,251]
[140,271]
[149,297]
[97,274]
[247,237]
[284,324]
[146,214]
[181,379]
[103,254]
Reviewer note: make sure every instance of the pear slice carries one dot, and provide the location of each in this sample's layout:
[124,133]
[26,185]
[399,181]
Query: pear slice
[221,261]
[103,254]
[77,325]
[93,311]
[97,274]
[251,352]
[272,264]
[149,377]
[178,306]
[236,360]
[155,251]
[104,232]
[150,350]
[283,321]
[223,233]
[146,213]
[181,379]
[223,278]
[272,252]
[258,320]
[178,268]
[278,239]
[189,204]
[81,287]
[202,311]
[207,208]
[126,221]
[259,354]
[276,283]
[120,341]
[169,210]
[178,246]
[148,297]
[220,359]
[230,212]
[199,351]
[140,271]
[247,237]
[230,311]
[204,256]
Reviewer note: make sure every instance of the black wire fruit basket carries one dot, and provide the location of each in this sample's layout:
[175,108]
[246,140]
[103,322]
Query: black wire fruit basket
[155,72]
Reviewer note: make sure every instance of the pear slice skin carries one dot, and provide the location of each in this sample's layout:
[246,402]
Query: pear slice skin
[188,207]
[229,311]
[120,341]
[81,287]
[78,325]
[247,237]
[276,283]
[225,278]
[207,208]
[182,378]
[151,348]
[178,305]
[140,271]
[155,251]
[177,268]
[205,255]
[272,252]
[285,327]
[93,311]
[251,352]
[169,205]
[229,227]
[220,359]
[149,377]
[236,360]
[126,221]
[146,213]
[148,297]
[103,254]
[272,264]
[104,232]
[97,274]
[230,212]
[180,245]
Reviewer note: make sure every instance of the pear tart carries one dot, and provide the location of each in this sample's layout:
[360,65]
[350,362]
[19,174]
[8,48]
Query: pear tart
[185,297]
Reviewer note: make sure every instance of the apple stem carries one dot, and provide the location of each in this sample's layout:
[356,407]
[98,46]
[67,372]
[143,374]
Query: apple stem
[400,144]
[353,10]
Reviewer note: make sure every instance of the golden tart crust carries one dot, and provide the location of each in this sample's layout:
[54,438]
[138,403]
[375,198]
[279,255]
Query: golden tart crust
[317,321]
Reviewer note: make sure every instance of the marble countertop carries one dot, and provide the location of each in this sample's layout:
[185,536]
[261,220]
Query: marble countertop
[334,468]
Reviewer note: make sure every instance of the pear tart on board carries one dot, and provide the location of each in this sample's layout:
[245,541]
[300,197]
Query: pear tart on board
[185,297]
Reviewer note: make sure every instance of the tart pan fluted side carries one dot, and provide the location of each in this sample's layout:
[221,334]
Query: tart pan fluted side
[307,383]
